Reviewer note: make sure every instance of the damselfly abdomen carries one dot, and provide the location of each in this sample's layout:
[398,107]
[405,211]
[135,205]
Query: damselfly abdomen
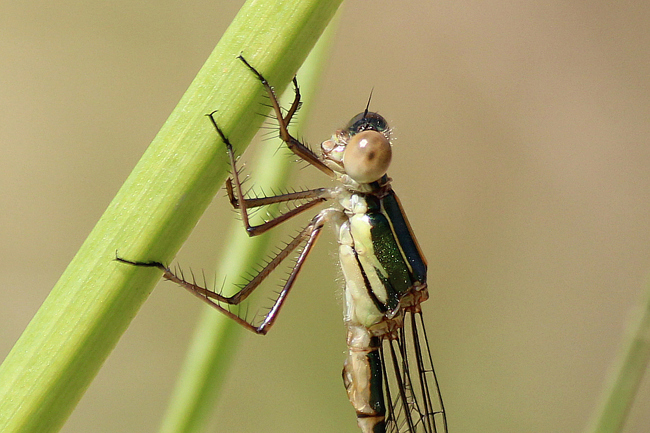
[388,373]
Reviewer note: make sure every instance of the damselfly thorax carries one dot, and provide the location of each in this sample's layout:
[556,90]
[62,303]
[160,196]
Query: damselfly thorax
[388,372]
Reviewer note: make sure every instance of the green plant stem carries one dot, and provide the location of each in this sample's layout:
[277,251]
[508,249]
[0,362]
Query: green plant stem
[213,344]
[625,379]
[65,344]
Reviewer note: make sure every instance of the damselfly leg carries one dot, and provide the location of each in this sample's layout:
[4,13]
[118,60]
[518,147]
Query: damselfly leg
[234,188]
[302,151]
[307,236]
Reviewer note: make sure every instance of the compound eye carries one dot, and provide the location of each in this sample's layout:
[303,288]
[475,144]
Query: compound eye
[365,121]
[367,156]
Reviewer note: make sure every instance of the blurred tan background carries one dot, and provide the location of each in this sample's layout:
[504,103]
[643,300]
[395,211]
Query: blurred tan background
[521,156]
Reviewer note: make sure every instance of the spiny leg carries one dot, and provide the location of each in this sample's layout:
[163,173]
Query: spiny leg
[317,225]
[309,234]
[293,144]
[280,198]
[295,105]
[235,194]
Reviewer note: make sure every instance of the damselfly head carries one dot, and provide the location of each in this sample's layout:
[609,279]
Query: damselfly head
[362,149]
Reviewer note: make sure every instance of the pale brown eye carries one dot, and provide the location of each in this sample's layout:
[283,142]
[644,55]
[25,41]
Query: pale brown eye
[367,156]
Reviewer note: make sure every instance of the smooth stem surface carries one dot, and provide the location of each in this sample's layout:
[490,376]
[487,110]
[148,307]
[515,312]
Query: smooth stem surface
[65,344]
[214,341]
[625,379]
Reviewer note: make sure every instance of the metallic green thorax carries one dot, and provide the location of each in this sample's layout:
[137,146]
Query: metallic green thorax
[397,251]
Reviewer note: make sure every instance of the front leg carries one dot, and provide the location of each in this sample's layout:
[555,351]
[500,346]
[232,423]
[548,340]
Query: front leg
[298,148]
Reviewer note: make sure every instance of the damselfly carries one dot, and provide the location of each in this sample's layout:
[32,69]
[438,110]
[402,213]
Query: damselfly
[388,373]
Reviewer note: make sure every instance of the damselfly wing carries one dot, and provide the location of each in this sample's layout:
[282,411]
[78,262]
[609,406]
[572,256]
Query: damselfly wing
[388,373]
